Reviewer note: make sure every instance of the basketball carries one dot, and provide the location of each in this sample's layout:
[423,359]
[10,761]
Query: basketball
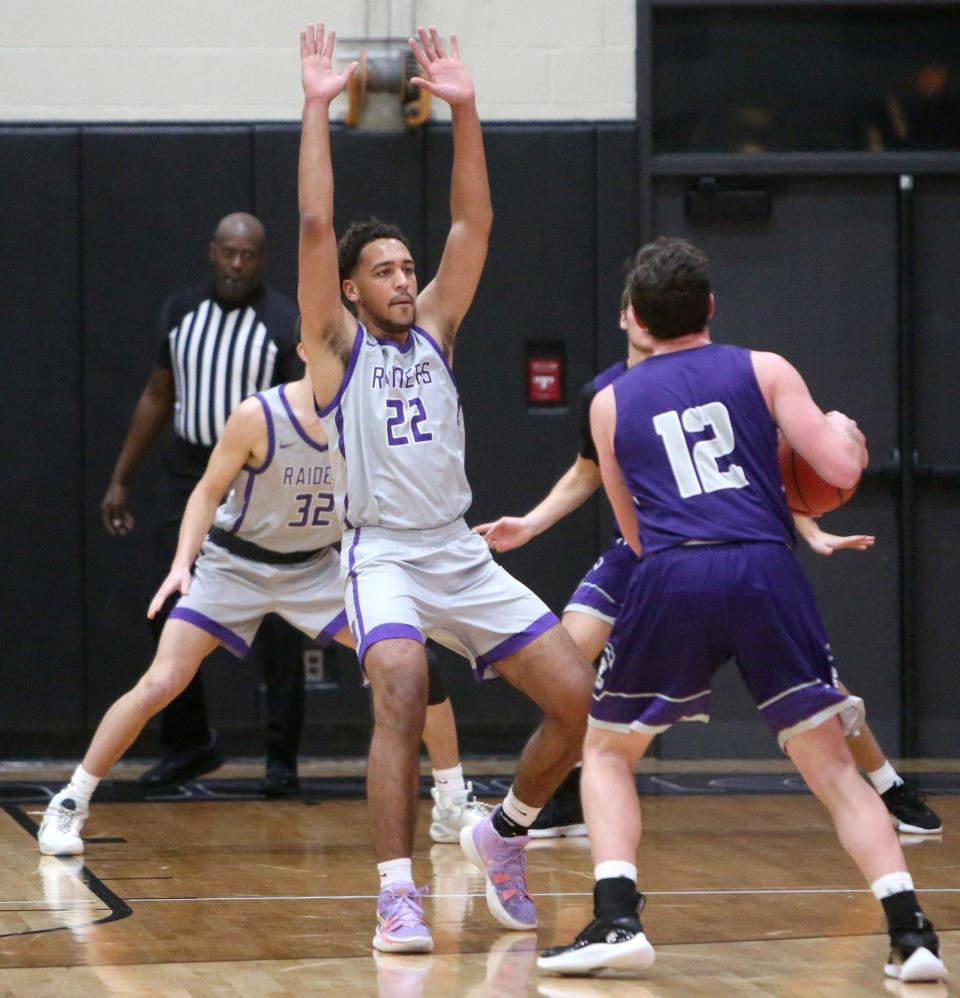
[807,493]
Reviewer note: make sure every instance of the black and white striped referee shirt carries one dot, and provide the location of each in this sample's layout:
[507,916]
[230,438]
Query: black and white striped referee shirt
[221,355]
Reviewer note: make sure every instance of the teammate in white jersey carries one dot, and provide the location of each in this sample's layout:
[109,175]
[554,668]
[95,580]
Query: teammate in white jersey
[386,394]
[268,550]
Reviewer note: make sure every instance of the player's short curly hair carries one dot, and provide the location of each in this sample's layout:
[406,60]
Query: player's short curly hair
[357,235]
[670,288]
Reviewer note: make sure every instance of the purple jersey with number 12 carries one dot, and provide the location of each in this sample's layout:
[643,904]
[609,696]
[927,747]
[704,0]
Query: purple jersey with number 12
[698,449]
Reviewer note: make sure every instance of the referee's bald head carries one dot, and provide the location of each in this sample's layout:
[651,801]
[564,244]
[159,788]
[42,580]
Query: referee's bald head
[241,225]
[238,252]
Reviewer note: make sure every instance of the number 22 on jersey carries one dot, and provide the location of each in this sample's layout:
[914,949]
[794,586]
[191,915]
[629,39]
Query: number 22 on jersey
[696,471]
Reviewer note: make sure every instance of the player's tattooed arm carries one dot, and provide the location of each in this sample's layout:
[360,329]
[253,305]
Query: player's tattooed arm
[603,423]
[327,327]
[571,491]
[244,442]
[443,303]
[823,543]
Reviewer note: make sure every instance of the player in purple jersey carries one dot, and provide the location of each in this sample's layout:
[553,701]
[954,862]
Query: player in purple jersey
[687,443]
[595,604]
[414,567]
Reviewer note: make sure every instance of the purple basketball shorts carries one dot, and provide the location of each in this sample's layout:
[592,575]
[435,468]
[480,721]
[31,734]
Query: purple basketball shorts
[690,609]
[601,591]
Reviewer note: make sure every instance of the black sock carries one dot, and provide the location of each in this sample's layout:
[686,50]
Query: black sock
[615,897]
[903,911]
[506,827]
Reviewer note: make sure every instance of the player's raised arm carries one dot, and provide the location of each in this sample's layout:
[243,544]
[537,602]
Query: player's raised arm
[831,442]
[443,303]
[244,441]
[326,325]
[603,423]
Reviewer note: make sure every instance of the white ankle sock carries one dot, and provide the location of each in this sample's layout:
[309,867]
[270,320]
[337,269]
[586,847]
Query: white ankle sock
[615,868]
[82,785]
[518,812]
[891,883]
[884,778]
[395,871]
[449,784]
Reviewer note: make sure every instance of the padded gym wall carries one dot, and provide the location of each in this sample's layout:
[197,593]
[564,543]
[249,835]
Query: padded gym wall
[134,208]
[42,435]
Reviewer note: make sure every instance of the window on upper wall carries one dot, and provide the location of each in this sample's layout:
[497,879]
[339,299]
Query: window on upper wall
[841,79]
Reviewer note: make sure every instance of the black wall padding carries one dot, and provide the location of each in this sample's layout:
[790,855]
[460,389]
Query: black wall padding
[41,433]
[104,222]
[151,199]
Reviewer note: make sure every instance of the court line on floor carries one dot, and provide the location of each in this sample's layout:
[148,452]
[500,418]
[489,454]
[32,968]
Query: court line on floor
[118,908]
[548,894]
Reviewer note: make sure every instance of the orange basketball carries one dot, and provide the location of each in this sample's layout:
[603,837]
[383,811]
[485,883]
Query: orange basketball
[807,493]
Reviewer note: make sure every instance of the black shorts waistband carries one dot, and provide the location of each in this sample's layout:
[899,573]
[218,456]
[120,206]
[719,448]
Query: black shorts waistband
[253,552]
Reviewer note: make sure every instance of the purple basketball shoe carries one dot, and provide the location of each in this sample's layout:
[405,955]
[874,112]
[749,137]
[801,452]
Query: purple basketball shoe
[400,924]
[504,865]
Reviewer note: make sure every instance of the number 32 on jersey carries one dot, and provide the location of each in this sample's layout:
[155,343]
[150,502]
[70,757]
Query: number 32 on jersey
[696,471]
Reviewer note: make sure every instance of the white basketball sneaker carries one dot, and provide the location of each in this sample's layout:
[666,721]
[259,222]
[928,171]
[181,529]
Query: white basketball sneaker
[63,819]
[462,812]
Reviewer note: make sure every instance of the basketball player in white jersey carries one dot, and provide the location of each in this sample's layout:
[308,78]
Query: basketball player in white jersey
[268,550]
[388,401]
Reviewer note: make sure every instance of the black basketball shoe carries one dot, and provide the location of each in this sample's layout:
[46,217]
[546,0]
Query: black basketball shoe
[915,953]
[561,817]
[910,811]
[605,944]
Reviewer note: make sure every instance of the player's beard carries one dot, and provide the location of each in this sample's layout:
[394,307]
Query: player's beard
[391,326]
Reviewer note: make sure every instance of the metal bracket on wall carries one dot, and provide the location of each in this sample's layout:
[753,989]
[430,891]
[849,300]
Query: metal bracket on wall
[727,200]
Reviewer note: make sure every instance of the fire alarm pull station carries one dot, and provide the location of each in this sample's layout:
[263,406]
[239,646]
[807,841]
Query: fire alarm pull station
[545,376]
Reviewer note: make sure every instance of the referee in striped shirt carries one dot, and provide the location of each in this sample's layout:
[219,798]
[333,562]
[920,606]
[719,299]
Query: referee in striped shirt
[221,341]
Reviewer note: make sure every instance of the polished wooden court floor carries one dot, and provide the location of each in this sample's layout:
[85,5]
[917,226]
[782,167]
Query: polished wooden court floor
[747,896]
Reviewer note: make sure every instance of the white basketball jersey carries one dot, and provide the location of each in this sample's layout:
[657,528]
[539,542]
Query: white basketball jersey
[396,436]
[287,504]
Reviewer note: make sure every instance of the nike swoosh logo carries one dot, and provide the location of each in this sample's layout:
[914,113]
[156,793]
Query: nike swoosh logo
[286,445]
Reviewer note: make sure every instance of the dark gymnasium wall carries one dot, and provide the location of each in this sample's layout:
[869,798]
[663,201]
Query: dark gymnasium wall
[98,224]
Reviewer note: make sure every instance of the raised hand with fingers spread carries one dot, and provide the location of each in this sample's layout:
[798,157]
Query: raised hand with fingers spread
[316,59]
[446,76]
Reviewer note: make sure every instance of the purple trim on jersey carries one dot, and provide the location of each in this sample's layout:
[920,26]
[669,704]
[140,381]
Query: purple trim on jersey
[338,422]
[348,374]
[296,423]
[386,632]
[516,642]
[247,495]
[271,437]
[232,642]
[326,636]
[356,591]
[402,348]
[443,356]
